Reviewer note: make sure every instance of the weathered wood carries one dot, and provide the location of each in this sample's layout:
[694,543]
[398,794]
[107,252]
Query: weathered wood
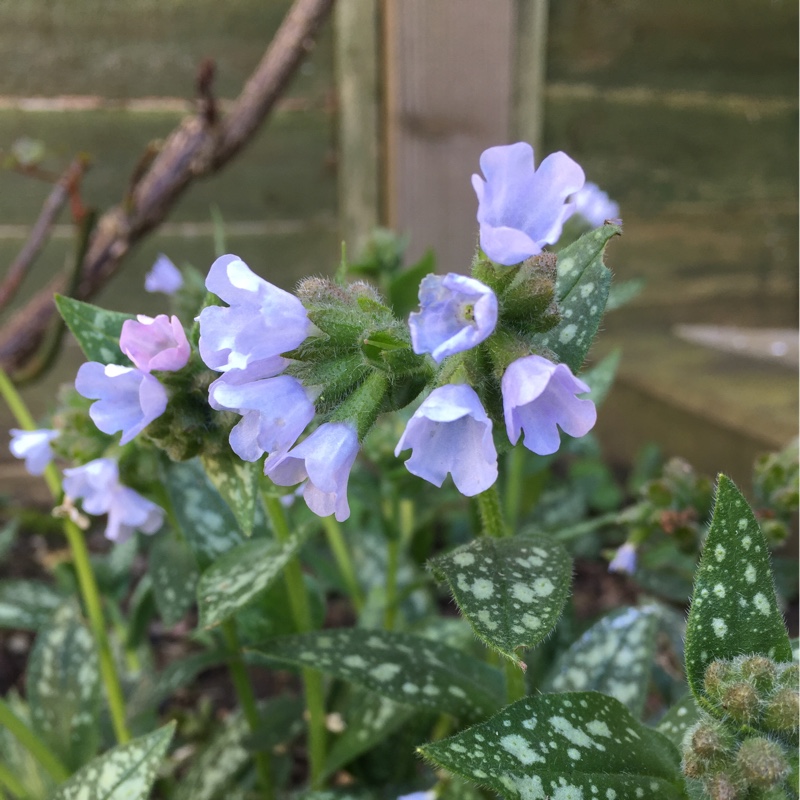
[356,64]
[530,72]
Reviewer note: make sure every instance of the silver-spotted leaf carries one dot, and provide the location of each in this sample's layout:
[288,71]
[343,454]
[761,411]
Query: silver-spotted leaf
[126,772]
[173,571]
[237,483]
[511,590]
[27,605]
[682,716]
[734,610]
[613,657]
[600,377]
[406,668]
[235,578]
[96,329]
[63,687]
[573,746]
[582,287]
[205,519]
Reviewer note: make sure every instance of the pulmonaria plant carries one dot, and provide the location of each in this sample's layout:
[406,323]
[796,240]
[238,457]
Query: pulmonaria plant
[34,447]
[163,277]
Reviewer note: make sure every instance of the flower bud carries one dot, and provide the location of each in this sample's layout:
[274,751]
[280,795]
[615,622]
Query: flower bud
[759,671]
[790,676]
[762,762]
[529,300]
[782,711]
[710,741]
[741,702]
[722,787]
[718,675]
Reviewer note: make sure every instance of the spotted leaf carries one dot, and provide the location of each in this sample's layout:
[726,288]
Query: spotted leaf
[682,716]
[572,746]
[734,610]
[27,605]
[236,482]
[126,772]
[232,581]
[582,287]
[511,591]
[407,669]
[96,329]
[613,657]
[173,571]
[63,686]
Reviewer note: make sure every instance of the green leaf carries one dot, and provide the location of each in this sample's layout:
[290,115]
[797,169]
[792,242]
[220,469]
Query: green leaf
[237,482]
[173,571]
[582,287]
[404,287]
[405,668]
[613,657]
[600,378]
[511,591]
[622,293]
[126,772]
[8,534]
[578,745]
[96,329]
[682,716]
[27,605]
[204,518]
[63,686]
[734,610]
[237,577]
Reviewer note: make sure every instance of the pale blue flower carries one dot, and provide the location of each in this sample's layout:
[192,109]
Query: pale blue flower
[128,399]
[539,397]
[451,432]
[624,560]
[456,313]
[275,411]
[261,321]
[521,209]
[324,459]
[97,485]
[429,795]
[164,277]
[34,447]
[155,343]
[594,205]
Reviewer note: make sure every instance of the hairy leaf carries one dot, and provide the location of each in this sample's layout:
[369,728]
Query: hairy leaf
[236,481]
[405,668]
[613,657]
[511,591]
[577,745]
[27,605]
[734,610]
[173,571]
[96,329]
[682,716]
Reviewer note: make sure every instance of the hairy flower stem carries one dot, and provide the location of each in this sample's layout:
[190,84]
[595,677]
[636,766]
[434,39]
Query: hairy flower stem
[32,743]
[491,513]
[301,613]
[336,542]
[515,681]
[247,700]
[86,579]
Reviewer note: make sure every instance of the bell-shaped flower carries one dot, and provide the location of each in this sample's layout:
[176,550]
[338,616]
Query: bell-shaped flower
[624,560]
[34,447]
[275,411]
[260,322]
[521,209]
[155,343]
[128,399]
[594,205]
[451,432]
[325,459]
[97,485]
[538,398]
[456,313]
[164,277]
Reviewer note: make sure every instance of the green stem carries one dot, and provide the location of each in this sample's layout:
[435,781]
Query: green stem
[491,513]
[11,782]
[32,743]
[515,681]
[86,580]
[515,461]
[336,542]
[301,613]
[247,700]
[393,559]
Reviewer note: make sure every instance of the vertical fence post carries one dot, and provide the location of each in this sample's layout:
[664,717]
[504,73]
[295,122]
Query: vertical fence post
[530,68]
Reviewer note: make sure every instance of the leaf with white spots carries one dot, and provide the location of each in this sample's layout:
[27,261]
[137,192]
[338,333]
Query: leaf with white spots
[734,610]
[237,483]
[682,716]
[173,571]
[511,591]
[63,686]
[235,578]
[126,772]
[613,657]
[574,746]
[582,287]
[96,329]
[600,378]
[27,605]
[204,518]
[408,669]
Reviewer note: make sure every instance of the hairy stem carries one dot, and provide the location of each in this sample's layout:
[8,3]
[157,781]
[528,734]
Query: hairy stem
[491,514]
[336,542]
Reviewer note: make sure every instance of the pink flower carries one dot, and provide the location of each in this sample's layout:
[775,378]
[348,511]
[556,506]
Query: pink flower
[155,343]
